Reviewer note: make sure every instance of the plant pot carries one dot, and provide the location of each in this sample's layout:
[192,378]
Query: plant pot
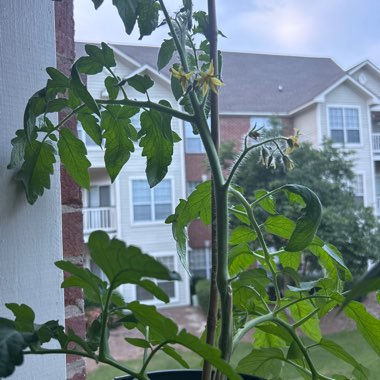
[181,374]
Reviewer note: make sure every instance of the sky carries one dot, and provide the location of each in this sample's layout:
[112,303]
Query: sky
[347,31]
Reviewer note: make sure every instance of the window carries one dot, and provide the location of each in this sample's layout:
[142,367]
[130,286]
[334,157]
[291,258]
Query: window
[200,262]
[193,143]
[99,196]
[191,185]
[344,125]
[167,286]
[151,204]
[358,188]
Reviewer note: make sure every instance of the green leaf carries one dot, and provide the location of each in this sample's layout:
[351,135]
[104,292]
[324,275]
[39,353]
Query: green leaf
[157,143]
[56,105]
[242,234]
[176,85]
[36,170]
[103,55]
[147,17]
[307,224]
[19,145]
[310,327]
[240,258]
[138,342]
[125,265]
[88,66]
[304,286]
[81,91]
[279,225]
[97,3]
[197,206]
[170,351]
[24,316]
[140,83]
[165,54]
[341,353]
[35,107]
[12,344]
[256,278]
[112,87]
[72,152]
[290,259]
[128,13]
[118,134]
[90,125]
[154,289]
[268,203]
[367,324]
[58,83]
[263,339]
[266,362]
[294,353]
[82,278]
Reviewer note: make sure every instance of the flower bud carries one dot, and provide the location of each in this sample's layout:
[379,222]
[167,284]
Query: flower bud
[287,163]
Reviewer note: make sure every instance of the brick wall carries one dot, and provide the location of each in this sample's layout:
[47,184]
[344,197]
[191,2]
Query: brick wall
[72,220]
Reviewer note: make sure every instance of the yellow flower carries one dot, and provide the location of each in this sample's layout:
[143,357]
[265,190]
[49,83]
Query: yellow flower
[293,142]
[287,163]
[182,76]
[209,80]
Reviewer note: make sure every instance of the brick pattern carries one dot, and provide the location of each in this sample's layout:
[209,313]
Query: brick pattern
[72,220]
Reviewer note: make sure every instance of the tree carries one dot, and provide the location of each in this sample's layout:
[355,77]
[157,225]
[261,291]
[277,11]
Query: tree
[347,223]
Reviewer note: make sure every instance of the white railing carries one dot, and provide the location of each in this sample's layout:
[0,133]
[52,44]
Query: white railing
[376,143]
[99,218]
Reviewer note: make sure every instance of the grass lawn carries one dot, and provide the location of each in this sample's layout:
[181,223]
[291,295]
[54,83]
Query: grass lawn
[327,363]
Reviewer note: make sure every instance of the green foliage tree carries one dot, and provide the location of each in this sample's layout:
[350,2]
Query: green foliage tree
[348,223]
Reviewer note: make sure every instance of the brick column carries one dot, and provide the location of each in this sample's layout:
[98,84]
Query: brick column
[72,220]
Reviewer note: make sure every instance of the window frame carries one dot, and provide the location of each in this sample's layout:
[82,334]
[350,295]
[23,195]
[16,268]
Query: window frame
[151,221]
[344,107]
[364,194]
[187,126]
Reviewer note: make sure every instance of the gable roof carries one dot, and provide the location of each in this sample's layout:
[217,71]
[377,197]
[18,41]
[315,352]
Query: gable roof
[257,83]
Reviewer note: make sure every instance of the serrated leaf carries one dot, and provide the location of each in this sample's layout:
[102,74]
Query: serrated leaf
[140,83]
[58,83]
[265,340]
[310,327]
[170,351]
[128,13]
[137,342]
[304,286]
[19,144]
[240,258]
[72,152]
[266,362]
[103,55]
[87,65]
[118,134]
[90,125]
[125,265]
[36,170]
[341,353]
[81,91]
[256,278]
[367,324]
[56,105]
[165,53]
[147,17]
[153,289]
[294,352]
[268,203]
[35,107]
[82,278]
[197,206]
[24,316]
[242,234]
[279,225]
[307,224]
[157,143]
[176,85]
[290,259]
[12,344]
[112,87]
[97,3]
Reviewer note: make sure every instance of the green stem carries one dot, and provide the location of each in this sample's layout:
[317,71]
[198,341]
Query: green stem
[260,236]
[103,327]
[115,77]
[151,105]
[150,357]
[278,310]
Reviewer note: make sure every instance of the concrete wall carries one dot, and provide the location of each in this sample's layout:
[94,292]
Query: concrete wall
[30,236]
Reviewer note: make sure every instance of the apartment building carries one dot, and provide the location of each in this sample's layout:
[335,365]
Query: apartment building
[311,94]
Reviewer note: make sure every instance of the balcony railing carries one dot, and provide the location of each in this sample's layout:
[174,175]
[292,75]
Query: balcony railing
[99,218]
[376,143]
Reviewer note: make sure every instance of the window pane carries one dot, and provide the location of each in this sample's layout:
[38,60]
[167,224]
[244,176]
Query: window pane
[194,145]
[163,192]
[351,118]
[141,213]
[104,196]
[168,261]
[336,118]
[142,294]
[337,136]
[353,136]
[168,288]
[140,192]
[93,197]
[162,211]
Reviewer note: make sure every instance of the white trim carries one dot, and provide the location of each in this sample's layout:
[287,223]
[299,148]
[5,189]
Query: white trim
[359,66]
[365,192]
[126,57]
[345,144]
[250,113]
[319,131]
[118,208]
[371,154]
[148,222]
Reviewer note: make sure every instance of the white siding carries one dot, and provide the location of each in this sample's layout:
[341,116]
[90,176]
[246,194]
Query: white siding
[306,123]
[372,79]
[347,95]
[30,236]
[154,238]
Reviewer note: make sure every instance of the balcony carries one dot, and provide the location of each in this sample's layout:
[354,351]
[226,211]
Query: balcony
[99,218]
[376,143]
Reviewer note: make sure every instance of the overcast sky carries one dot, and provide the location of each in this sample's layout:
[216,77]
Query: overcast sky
[346,30]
